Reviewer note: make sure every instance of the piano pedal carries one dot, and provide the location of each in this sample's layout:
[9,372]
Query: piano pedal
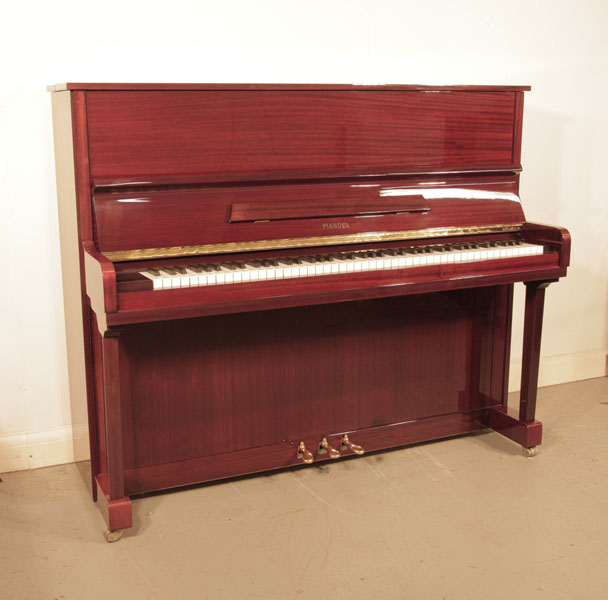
[325,447]
[348,445]
[305,455]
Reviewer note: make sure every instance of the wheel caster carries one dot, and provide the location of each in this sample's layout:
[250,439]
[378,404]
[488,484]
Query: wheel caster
[112,536]
[530,452]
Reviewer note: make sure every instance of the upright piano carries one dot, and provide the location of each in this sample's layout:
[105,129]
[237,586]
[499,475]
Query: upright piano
[269,276]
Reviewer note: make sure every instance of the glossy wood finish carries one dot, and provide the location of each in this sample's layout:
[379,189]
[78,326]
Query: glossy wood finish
[85,233]
[166,218]
[518,126]
[363,175]
[137,307]
[287,210]
[278,456]
[507,422]
[217,385]
[116,511]
[556,239]
[501,359]
[112,413]
[533,324]
[284,87]
[192,385]
[283,134]
[76,225]
[97,428]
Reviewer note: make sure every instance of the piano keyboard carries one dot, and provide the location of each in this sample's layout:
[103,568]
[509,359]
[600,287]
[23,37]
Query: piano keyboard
[333,264]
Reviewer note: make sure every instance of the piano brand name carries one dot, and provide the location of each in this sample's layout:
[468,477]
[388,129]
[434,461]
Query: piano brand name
[336,226]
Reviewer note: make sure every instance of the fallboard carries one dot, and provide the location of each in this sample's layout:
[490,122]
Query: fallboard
[149,223]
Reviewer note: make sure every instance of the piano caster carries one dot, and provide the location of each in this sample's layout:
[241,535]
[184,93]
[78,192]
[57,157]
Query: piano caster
[305,455]
[530,452]
[325,447]
[347,444]
[113,536]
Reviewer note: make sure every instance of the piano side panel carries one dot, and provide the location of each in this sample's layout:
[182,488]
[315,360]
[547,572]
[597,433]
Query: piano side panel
[75,225]
[217,385]
[236,135]
[73,297]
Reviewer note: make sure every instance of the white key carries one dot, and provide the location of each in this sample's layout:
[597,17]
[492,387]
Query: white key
[343,263]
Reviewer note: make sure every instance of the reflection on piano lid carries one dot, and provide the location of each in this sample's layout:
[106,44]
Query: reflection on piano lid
[159,222]
[450,194]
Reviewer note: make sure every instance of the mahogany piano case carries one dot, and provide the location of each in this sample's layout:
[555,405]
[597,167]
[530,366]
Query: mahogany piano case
[266,276]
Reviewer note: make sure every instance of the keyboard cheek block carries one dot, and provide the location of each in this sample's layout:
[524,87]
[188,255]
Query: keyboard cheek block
[267,276]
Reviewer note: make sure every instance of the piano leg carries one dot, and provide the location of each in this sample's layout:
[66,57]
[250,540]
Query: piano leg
[116,513]
[114,505]
[521,426]
[533,323]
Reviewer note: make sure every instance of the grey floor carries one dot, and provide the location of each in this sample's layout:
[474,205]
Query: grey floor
[465,518]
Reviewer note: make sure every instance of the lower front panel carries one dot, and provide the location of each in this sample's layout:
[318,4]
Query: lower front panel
[218,396]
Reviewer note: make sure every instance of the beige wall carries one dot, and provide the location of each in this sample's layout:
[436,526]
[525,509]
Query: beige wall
[559,47]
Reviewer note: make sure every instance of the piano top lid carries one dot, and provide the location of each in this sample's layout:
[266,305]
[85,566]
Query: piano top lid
[285,87]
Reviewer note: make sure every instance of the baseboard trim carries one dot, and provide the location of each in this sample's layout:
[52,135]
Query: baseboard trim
[563,368]
[33,450]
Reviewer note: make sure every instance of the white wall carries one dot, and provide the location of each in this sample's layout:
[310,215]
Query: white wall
[559,47]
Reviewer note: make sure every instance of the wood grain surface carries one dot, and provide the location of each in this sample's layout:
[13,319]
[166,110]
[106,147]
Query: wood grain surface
[284,134]
[197,384]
